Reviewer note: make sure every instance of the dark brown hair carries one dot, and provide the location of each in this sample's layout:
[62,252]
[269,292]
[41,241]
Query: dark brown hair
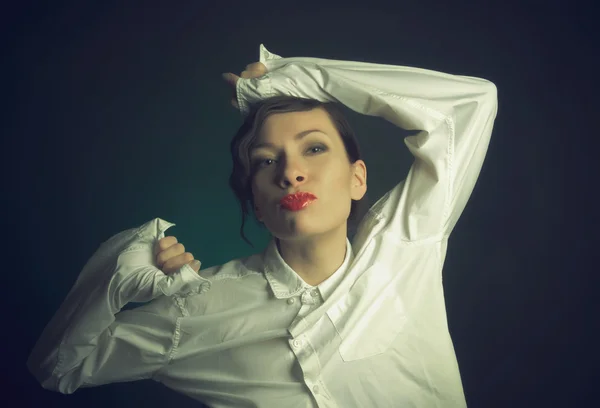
[241,176]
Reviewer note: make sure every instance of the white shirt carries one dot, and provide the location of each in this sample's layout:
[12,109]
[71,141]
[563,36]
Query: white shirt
[251,332]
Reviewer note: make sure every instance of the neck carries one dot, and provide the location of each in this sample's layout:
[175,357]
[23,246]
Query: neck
[316,258]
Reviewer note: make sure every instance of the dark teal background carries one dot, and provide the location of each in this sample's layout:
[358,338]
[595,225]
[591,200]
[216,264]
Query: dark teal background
[115,113]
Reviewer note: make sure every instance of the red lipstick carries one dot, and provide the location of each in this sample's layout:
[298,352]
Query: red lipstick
[297,201]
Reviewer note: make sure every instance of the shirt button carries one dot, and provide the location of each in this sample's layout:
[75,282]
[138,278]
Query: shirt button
[316,389]
[290,301]
[297,343]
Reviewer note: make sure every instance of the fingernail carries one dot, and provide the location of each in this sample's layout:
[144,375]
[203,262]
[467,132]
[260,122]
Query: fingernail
[195,263]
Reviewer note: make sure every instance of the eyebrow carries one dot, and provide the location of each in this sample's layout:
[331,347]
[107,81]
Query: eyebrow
[297,137]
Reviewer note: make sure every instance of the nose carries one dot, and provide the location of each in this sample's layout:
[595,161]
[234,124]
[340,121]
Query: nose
[291,176]
[288,183]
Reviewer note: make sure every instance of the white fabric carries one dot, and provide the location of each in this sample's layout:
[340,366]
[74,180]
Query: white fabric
[251,332]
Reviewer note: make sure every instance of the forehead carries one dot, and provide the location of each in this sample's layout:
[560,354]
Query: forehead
[282,125]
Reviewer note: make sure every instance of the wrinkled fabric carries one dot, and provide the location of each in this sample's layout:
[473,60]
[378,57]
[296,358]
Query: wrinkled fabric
[251,332]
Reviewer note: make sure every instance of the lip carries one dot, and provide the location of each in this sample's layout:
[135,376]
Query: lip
[297,201]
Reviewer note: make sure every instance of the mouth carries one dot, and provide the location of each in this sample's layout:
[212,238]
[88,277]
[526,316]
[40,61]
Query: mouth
[297,202]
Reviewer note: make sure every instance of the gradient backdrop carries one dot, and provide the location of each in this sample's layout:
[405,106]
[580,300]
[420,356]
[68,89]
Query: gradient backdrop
[116,113]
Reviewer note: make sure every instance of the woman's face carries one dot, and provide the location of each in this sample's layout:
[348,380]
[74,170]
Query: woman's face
[288,158]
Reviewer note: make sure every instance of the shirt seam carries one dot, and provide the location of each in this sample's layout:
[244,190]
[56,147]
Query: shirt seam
[175,339]
[177,332]
[216,278]
[423,364]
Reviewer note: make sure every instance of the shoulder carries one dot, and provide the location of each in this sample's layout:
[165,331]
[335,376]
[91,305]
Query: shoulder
[238,282]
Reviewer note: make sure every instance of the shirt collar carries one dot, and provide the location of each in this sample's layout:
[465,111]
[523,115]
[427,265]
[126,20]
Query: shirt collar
[285,282]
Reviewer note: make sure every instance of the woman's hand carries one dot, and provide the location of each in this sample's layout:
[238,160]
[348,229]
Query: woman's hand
[254,70]
[171,256]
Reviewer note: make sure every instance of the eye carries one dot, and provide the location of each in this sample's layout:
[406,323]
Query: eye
[323,148]
[262,163]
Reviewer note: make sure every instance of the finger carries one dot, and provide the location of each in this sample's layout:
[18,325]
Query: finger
[164,243]
[258,67]
[252,74]
[247,74]
[194,267]
[174,264]
[171,252]
[230,78]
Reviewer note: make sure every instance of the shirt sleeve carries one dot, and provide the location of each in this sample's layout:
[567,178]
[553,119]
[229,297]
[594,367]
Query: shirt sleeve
[89,341]
[453,113]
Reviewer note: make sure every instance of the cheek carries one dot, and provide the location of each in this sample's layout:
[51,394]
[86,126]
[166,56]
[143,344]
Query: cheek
[337,190]
[258,192]
[338,181]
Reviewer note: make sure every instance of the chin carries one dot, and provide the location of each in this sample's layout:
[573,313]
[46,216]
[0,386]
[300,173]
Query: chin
[300,230]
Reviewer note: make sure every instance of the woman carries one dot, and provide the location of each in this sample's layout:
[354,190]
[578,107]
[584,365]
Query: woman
[313,319]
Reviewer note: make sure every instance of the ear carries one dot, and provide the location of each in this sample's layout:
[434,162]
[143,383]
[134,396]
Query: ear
[359,180]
